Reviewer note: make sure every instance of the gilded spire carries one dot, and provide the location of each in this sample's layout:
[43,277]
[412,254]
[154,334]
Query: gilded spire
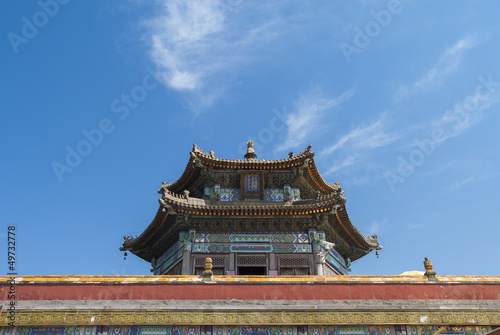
[250,155]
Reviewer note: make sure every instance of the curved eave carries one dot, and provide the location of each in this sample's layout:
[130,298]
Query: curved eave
[154,226]
[314,178]
[354,234]
[191,172]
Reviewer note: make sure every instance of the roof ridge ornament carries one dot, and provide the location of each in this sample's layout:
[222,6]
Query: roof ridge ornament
[250,155]
[429,272]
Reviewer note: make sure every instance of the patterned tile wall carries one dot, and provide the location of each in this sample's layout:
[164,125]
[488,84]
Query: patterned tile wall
[247,330]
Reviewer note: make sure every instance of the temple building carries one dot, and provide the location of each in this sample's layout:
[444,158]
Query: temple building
[251,217]
[251,247]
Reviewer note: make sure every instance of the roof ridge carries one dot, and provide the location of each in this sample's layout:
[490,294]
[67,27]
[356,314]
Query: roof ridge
[306,153]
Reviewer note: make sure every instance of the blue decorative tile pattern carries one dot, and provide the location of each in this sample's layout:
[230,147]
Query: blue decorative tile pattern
[168,258]
[234,193]
[255,331]
[281,194]
[229,194]
[274,194]
[244,237]
[336,264]
[350,330]
[223,193]
[265,238]
[249,248]
[211,248]
[169,262]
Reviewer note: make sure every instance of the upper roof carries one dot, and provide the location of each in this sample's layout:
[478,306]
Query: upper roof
[201,160]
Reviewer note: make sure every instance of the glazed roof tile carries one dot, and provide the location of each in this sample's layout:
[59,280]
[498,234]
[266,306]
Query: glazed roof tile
[180,202]
[152,279]
[200,159]
[329,198]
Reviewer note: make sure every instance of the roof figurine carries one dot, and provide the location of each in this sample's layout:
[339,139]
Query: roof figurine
[280,211]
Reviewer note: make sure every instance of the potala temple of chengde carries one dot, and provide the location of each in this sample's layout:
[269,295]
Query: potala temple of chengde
[252,246]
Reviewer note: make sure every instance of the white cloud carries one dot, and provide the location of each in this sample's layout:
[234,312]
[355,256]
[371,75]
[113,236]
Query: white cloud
[358,144]
[363,137]
[195,41]
[309,112]
[447,64]
[467,113]
[348,161]
[180,35]
[377,226]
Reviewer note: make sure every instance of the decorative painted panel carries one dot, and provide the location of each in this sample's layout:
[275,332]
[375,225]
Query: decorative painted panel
[243,237]
[211,248]
[274,194]
[352,330]
[171,260]
[245,330]
[251,248]
[229,194]
[281,194]
[222,193]
[60,330]
[234,193]
[250,238]
[277,248]
[336,264]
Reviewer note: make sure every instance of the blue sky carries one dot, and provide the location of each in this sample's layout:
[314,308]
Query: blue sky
[102,100]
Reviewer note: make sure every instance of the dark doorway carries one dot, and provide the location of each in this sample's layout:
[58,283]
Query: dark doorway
[252,270]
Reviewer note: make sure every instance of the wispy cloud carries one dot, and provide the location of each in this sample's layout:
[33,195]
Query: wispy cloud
[193,41]
[180,35]
[355,146]
[369,136]
[469,112]
[309,112]
[377,226]
[347,161]
[447,64]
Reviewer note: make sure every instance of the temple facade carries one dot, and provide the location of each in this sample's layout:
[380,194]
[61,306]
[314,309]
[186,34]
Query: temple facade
[251,217]
[251,247]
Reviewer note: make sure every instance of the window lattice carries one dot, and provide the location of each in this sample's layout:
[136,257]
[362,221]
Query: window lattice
[218,271]
[176,270]
[328,271]
[217,261]
[252,182]
[294,262]
[302,272]
[252,260]
[294,271]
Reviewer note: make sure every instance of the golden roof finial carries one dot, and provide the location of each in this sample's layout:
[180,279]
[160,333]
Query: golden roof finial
[207,274]
[429,272]
[250,155]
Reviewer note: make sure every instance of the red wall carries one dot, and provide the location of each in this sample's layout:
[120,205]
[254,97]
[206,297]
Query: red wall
[252,291]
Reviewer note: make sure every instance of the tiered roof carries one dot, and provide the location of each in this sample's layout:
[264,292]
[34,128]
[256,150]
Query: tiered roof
[325,205]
